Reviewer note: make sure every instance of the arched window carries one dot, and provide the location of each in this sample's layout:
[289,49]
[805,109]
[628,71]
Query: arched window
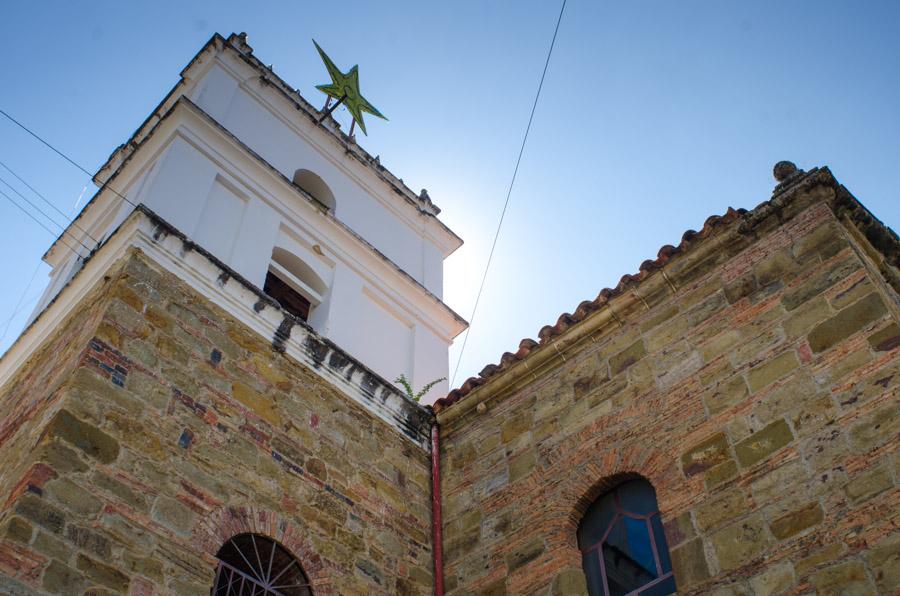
[623,548]
[293,284]
[315,187]
[251,564]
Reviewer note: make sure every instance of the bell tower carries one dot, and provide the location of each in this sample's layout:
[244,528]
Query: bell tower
[248,171]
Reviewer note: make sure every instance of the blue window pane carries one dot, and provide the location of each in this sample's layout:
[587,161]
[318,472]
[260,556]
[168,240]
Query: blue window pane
[597,519]
[639,548]
[623,574]
[625,524]
[591,563]
[637,496]
[661,547]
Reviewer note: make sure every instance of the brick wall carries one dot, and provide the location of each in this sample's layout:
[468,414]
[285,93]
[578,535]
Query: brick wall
[753,382]
[172,429]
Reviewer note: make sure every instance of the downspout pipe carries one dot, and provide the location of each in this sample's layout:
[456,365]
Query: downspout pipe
[436,531]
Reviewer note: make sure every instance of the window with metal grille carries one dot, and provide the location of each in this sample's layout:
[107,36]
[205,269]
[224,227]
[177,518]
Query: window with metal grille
[623,548]
[255,565]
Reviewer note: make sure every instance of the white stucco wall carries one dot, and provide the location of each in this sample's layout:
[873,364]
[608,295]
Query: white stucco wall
[290,145]
[196,176]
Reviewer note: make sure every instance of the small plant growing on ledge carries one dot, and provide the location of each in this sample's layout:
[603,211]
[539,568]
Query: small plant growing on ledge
[407,386]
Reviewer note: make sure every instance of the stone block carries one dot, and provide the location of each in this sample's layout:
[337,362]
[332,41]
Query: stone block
[37,510]
[770,485]
[726,394]
[720,344]
[122,492]
[521,465]
[819,282]
[787,396]
[89,541]
[738,544]
[59,457]
[720,474]
[587,383]
[740,288]
[569,582]
[876,428]
[679,529]
[706,454]
[763,443]
[73,497]
[771,370]
[518,424]
[496,527]
[797,521]
[89,439]
[756,348]
[660,316]
[142,351]
[685,272]
[814,415]
[674,330]
[16,529]
[868,484]
[846,296]
[627,357]
[148,389]
[726,507]
[778,267]
[689,564]
[262,405]
[103,574]
[804,317]
[885,339]
[524,553]
[846,322]
[847,579]
[52,547]
[776,579]
[461,455]
[707,308]
[62,579]
[820,557]
[884,561]
[173,514]
[825,242]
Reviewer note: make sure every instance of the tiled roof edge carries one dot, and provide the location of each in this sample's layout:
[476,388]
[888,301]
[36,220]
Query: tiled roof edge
[879,235]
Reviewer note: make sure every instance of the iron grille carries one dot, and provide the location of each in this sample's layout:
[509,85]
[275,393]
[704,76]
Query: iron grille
[253,565]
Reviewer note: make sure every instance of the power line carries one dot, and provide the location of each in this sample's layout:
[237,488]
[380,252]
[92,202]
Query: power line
[508,193]
[39,210]
[63,155]
[72,222]
[43,198]
[38,222]
[20,305]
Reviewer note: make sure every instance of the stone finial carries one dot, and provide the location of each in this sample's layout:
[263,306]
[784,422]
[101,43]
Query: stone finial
[783,170]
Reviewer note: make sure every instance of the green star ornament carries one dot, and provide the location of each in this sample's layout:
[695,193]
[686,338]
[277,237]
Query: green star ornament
[345,89]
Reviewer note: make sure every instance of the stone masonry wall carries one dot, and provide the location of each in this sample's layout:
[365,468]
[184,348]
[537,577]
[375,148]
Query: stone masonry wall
[176,428]
[754,386]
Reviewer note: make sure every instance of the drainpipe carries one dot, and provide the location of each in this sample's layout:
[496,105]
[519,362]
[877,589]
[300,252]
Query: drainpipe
[436,538]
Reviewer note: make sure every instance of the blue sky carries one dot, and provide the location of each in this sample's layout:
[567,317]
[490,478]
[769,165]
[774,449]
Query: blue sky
[654,116]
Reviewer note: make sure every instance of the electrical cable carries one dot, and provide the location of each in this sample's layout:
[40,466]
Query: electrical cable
[43,198]
[63,155]
[50,219]
[508,194]
[38,222]
[19,305]
[61,237]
